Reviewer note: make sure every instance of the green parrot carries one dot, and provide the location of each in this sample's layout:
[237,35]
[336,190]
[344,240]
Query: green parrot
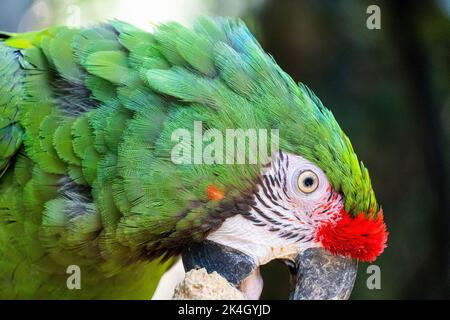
[112,162]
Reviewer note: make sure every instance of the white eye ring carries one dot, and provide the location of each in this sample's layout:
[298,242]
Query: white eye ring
[307,181]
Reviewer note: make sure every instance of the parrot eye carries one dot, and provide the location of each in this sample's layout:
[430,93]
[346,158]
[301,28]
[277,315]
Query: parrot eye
[307,181]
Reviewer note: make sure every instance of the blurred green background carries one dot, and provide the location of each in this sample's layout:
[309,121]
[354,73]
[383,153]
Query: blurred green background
[388,88]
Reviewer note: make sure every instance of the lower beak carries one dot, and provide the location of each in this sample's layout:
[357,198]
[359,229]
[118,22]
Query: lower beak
[231,264]
[319,275]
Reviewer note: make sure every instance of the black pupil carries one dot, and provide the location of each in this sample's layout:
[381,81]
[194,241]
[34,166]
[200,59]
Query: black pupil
[308,182]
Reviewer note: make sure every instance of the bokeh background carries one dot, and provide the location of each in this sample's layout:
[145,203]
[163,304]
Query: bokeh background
[388,88]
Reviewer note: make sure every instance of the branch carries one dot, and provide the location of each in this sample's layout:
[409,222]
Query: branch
[199,285]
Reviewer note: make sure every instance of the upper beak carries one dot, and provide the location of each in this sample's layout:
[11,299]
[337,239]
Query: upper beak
[319,275]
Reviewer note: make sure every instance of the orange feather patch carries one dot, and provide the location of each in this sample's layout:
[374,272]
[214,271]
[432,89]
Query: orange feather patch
[214,193]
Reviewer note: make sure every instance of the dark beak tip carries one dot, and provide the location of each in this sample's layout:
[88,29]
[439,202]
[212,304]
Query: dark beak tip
[323,276]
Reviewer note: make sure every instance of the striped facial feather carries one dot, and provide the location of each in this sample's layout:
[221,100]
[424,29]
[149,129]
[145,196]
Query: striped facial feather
[289,213]
[282,220]
[284,209]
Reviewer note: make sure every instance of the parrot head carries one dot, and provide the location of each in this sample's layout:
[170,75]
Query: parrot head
[296,215]
[310,203]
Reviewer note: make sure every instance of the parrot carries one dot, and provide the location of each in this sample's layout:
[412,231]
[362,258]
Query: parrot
[88,177]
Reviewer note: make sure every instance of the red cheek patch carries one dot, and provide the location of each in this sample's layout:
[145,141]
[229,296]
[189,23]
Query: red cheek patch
[363,238]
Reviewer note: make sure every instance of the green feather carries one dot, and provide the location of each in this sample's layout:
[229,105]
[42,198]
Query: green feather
[109,65]
[62,142]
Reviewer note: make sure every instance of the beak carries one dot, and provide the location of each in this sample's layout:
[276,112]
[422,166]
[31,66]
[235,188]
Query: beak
[319,275]
[231,264]
[316,273]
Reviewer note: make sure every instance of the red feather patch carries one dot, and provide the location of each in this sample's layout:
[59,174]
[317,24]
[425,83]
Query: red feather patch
[363,238]
[214,193]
